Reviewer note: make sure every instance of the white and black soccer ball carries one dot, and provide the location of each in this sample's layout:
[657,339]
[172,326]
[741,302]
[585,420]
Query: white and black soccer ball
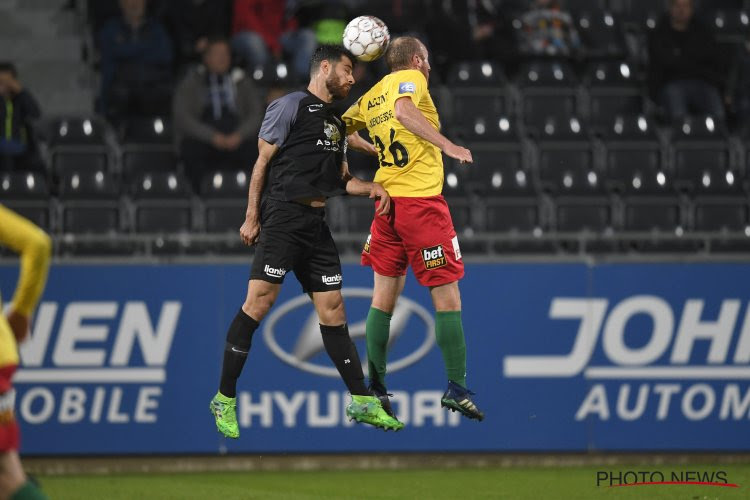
[366,37]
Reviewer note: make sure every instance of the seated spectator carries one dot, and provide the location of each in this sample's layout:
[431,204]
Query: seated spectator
[18,111]
[548,30]
[217,114]
[192,23]
[136,64]
[263,29]
[685,69]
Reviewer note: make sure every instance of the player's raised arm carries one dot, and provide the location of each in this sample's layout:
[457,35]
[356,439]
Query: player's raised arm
[251,227]
[415,122]
[34,247]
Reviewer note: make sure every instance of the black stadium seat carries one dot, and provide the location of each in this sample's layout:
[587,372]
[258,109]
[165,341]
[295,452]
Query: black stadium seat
[602,34]
[699,144]
[477,87]
[632,147]
[74,131]
[547,89]
[64,162]
[613,90]
[162,203]
[90,202]
[563,145]
[224,194]
[28,194]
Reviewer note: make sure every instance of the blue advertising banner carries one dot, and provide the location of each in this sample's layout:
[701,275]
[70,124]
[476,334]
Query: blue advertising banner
[563,357]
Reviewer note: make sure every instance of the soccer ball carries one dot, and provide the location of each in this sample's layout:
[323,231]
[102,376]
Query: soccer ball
[366,37]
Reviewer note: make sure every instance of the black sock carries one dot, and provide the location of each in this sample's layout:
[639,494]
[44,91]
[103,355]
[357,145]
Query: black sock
[343,353]
[239,337]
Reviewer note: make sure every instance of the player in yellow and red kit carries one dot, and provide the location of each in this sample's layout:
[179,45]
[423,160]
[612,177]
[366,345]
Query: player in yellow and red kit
[34,247]
[403,123]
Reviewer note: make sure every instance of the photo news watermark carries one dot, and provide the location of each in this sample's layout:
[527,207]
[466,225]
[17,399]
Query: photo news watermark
[660,478]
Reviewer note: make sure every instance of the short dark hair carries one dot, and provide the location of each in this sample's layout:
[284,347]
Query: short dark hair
[8,67]
[401,51]
[330,53]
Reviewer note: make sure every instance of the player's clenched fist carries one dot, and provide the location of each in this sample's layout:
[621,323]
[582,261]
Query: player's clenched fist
[249,232]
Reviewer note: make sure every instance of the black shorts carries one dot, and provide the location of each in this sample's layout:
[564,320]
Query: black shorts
[296,237]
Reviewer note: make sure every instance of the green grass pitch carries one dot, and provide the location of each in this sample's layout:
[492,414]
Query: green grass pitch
[496,483]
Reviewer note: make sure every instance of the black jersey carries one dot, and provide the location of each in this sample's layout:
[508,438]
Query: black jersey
[312,145]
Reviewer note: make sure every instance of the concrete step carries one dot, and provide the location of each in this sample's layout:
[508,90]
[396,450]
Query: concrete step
[66,102]
[47,48]
[34,23]
[50,74]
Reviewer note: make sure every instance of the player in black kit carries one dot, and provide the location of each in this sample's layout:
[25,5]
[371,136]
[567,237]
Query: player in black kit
[301,162]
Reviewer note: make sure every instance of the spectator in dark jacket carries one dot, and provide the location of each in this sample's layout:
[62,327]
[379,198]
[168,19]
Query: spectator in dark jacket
[18,111]
[136,64]
[193,22]
[685,68]
[217,113]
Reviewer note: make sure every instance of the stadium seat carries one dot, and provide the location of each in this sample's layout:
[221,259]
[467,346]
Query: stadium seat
[64,162]
[90,202]
[613,90]
[650,203]
[162,203]
[700,145]
[581,202]
[563,145]
[483,127]
[728,23]
[493,168]
[272,74]
[547,89]
[477,87]
[602,34]
[148,130]
[87,131]
[28,194]
[476,74]
[632,146]
[511,201]
[136,162]
[224,194]
[720,213]
[458,195]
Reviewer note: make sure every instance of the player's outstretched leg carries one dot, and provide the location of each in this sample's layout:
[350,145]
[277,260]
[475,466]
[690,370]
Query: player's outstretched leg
[458,398]
[369,410]
[223,406]
[450,337]
[365,407]
[224,410]
[378,331]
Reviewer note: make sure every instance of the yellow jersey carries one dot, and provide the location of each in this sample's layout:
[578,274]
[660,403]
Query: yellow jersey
[409,166]
[33,244]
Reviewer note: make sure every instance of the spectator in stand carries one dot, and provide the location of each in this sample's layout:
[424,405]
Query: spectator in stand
[548,30]
[217,114]
[193,22]
[685,68]
[263,29]
[18,111]
[136,64]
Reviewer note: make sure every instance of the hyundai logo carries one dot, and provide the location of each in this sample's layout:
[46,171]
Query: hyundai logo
[309,341]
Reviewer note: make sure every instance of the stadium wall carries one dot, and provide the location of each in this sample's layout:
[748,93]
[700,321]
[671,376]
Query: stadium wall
[563,356]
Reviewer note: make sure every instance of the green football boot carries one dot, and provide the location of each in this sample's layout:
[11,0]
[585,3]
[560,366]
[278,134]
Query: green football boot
[224,410]
[369,410]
